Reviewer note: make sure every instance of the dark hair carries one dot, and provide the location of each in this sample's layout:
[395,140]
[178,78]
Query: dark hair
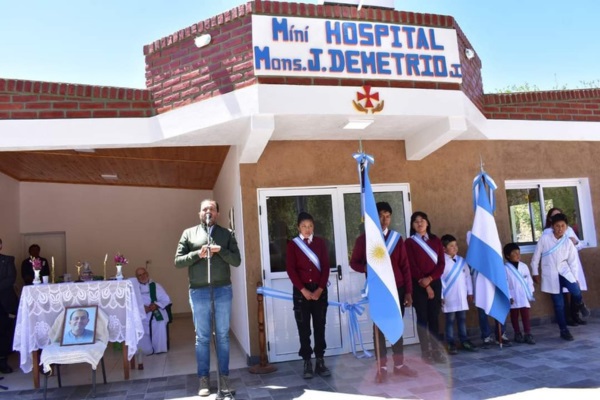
[303,216]
[383,206]
[560,217]
[413,217]
[549,216]
[509,248]
[447,239]
[34,246]
[209,200]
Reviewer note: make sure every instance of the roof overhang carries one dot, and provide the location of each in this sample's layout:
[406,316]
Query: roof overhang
[249,118]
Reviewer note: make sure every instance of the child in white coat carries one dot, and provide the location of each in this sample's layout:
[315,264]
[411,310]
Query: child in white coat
[520,286]
[558,258]
[457,293]
[571,310]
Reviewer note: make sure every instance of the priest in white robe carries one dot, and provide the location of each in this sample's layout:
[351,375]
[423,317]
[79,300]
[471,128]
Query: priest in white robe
[155,300]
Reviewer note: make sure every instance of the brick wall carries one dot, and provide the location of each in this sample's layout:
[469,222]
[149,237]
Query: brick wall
[178,73]
[563,105]
[472,84]
[20,99]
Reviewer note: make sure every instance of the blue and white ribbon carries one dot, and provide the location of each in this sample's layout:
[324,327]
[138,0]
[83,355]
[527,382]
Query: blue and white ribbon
[307,252]
[455,272]
[521,280]
[354,311]
[392,241]
[556,246]
[432,254]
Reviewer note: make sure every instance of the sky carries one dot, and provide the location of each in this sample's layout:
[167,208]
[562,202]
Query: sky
[545,44]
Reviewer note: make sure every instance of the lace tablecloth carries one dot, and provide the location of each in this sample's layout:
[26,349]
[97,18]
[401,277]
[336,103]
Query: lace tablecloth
[41,304]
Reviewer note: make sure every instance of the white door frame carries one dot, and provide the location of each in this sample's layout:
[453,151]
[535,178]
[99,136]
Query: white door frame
[341,248]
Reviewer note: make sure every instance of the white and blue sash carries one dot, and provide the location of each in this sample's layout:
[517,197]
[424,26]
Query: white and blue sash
[432,254]
[308,252]
[517,274]
[556,246]
[455,272]
[392,240]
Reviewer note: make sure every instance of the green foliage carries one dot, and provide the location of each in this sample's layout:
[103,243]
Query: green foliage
[526,87]
[527,218]
[594,84]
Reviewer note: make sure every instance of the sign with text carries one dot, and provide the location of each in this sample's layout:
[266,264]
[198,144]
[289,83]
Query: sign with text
[310,47]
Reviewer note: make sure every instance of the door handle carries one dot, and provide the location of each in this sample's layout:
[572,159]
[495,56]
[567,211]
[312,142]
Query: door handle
[339,272]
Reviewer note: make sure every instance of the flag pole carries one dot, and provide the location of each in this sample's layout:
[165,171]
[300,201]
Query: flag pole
[500,334]
[378,377]
[361,177]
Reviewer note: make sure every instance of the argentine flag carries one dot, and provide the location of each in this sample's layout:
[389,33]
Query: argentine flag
[485,253]
[384,305]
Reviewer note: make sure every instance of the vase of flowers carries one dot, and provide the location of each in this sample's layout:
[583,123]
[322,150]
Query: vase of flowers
[120,260]
[36,264]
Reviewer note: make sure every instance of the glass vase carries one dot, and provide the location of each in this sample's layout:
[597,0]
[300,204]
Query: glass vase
[119,275]
[36,277]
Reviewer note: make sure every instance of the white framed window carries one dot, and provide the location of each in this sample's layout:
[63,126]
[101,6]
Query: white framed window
[529,201]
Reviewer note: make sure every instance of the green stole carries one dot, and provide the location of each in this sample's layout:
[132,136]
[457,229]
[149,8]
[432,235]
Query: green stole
[156,313]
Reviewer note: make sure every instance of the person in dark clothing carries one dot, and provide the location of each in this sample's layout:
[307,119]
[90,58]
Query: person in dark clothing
[401,268]
[307,265]
[426,257]
[8,308]
[27,267]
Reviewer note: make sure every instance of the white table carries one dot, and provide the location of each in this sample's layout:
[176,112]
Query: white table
[40,305]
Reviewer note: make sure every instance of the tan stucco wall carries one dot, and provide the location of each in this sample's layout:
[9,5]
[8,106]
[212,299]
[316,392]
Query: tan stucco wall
[440,185]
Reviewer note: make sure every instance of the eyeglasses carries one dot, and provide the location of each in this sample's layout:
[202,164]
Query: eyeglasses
[142,274]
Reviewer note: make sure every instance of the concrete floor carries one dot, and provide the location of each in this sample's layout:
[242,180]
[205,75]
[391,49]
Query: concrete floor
[521,371]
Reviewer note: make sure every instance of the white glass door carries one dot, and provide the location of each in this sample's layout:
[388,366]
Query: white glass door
[337,220]
[398,198]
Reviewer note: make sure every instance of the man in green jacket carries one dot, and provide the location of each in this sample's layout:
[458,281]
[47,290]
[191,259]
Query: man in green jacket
[196,246]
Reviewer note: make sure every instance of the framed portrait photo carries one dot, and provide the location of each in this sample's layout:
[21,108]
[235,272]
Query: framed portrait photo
[79,326]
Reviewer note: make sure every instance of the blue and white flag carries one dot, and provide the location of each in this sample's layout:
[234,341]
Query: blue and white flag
[485,253]
[384,305]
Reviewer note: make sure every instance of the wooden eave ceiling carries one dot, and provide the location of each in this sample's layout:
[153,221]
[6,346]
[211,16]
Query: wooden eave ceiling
[163,167]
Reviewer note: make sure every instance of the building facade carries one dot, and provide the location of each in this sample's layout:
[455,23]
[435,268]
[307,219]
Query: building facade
[275,87]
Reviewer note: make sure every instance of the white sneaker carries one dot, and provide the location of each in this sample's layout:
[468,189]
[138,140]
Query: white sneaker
[226,388]
[204,386]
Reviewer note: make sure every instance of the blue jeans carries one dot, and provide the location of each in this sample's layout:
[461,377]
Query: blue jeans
[201,310]
[559,302]
[484,325]
[461,324]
